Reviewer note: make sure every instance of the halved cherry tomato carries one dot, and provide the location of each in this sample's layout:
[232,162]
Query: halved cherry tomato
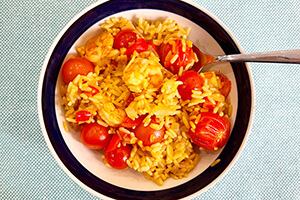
[117,158]
[168,50]
[148,135]
[94,90]
[191,81]
[114,142]
[139,46]
[75,66]
[212,131]
[226,84]
[124,38]
[95,136]
[82,115]
[130,123]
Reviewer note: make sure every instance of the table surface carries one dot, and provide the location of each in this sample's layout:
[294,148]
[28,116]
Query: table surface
[268,166]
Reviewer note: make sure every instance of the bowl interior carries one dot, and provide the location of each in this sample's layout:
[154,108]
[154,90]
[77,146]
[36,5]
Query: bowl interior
[86,166]
[91,159]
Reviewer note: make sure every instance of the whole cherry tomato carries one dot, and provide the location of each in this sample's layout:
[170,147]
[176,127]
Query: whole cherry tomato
[95,136]
[211,132]
[167,52]
[124,38]
[75,66]
[191,81]
[148,135]
[117,157]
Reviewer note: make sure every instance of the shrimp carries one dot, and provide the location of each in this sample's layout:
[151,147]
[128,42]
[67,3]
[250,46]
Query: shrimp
[99,46]
[142,73]
[112,115]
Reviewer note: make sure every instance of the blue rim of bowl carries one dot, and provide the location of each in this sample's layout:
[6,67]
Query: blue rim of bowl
[183,9]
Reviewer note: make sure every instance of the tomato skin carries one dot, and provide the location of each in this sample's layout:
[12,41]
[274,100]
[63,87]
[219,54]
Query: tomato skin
[139,46]
[125,136]
[212,131]
[114,142]
[184,57]
[129,99]
[75,66]
[82,115]
[117,157]
[130,123]
[208,104]
[124,38]
[148,135]
[93,91]
[95,136]
[191,81]
[226,84]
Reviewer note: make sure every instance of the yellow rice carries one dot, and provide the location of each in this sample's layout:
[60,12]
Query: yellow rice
[174,156]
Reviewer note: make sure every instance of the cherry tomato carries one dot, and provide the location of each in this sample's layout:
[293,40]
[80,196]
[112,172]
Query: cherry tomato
[130,123]
[82,115]
[212,131]
[148,135]
[168,50]
[75,66]
[139,46]
[114,142]
[226,84]
[191,81]
[95,136]
[117,158]
[124,38]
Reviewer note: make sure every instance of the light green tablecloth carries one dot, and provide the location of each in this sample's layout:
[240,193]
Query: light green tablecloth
[268,167]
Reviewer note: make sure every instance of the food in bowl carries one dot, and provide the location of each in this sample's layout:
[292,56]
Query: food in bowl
[131,91]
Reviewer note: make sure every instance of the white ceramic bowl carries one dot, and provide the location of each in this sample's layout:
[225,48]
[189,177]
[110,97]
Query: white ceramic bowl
[86,166]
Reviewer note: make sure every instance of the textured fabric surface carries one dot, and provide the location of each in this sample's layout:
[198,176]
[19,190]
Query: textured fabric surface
[268,167]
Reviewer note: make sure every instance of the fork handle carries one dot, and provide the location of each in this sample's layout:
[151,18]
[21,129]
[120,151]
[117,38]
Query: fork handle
[287,56]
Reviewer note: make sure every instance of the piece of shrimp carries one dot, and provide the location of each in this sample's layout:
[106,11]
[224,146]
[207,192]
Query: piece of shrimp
[99,46]
[142,73]
[112,115]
